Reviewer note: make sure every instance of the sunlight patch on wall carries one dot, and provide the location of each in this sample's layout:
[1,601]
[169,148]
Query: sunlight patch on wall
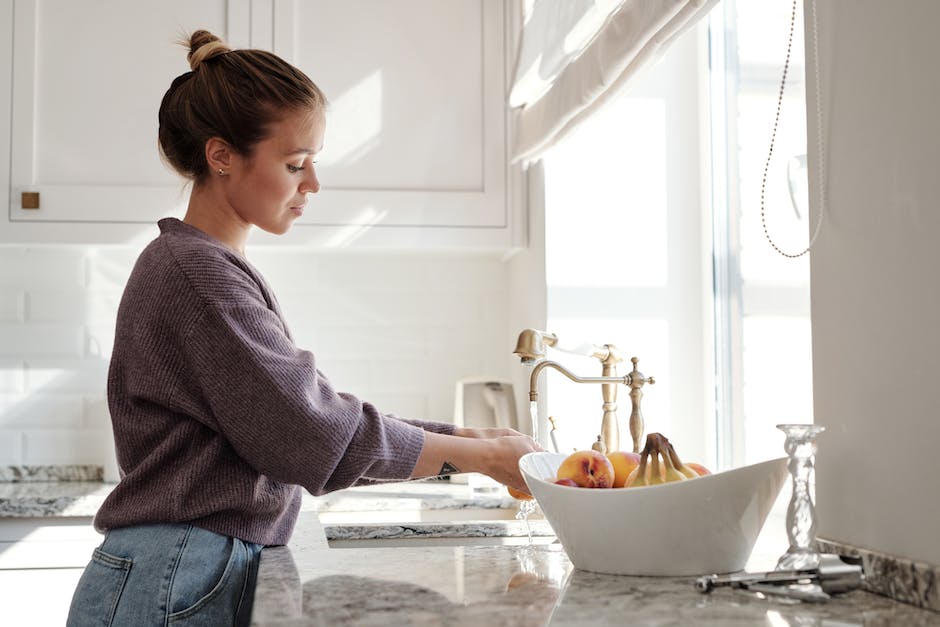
[359,224]
[355,121]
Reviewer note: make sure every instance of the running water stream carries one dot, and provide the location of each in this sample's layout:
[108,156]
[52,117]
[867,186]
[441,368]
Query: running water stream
[534,417]
[527,507]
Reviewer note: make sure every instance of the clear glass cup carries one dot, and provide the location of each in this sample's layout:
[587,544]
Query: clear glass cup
[800,446]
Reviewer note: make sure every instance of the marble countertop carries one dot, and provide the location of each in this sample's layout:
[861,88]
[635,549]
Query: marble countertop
[52,499]
[409,510]
[44,496]
[461,557]
[535,585]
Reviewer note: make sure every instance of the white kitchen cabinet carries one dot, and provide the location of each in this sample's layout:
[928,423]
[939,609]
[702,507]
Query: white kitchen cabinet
[416,145]
[85,81]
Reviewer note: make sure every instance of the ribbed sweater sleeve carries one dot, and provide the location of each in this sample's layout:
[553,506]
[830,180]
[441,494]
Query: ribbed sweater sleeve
[217,415]
[282,415]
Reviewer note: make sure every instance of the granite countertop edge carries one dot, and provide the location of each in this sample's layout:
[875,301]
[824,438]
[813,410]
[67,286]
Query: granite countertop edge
[39,494]
[79,491]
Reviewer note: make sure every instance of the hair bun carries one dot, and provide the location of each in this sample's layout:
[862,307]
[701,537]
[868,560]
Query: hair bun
[203,46]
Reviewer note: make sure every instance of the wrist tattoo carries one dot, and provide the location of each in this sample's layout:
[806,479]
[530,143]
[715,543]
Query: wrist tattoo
[448,469]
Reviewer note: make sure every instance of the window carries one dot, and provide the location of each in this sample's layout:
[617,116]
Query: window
[654,243]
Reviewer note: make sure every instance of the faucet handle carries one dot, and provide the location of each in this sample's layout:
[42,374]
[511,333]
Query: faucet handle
[637,426]
[637,378]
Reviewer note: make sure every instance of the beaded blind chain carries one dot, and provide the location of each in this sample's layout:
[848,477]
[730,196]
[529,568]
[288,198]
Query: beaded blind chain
[819,144]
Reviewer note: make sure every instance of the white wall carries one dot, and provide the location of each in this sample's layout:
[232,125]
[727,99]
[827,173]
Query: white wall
[875,292]
[397,329]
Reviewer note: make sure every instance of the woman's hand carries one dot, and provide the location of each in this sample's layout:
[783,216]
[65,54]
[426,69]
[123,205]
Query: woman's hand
[496,457]
[503,463]
[484,432]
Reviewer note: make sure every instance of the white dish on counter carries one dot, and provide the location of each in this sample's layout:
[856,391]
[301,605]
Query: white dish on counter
[693,527]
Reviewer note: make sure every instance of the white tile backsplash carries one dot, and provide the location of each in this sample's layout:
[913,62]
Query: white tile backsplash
[396,329]
[11,445]
[107,268]
[56,305]
[42,267]
[47,377]
[12,305]
[49,447]
[95,413]
[42,339]
[41,410]
[12,379]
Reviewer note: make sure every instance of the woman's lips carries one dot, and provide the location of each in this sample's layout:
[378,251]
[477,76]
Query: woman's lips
[298,210]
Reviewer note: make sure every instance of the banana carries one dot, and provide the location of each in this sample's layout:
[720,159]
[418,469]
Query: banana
[680,465]
[659,463]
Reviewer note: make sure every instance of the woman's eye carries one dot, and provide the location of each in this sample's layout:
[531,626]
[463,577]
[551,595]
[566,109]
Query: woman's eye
[294,169]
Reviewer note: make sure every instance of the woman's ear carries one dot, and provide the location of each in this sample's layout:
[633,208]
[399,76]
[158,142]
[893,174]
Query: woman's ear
[218,155]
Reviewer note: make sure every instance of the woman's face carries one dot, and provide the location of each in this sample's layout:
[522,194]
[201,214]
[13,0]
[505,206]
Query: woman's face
[269,188]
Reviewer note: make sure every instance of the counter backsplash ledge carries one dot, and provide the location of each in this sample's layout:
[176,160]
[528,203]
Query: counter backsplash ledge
[22,474]
[908,581]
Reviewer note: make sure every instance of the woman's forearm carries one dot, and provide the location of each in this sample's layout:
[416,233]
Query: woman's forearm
[450,454]
[496,457]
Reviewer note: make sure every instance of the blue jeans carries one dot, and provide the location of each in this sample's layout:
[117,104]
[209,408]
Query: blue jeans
[167,574]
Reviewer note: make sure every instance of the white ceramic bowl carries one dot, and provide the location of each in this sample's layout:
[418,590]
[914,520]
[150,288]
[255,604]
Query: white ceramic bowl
[693,527]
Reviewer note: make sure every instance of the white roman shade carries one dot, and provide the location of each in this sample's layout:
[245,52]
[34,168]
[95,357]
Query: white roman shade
[576,54]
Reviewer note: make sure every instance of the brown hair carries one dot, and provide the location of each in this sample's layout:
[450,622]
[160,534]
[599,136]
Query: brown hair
[232,94]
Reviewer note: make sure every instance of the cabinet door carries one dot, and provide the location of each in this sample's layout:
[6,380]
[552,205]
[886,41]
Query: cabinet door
[87,80]
[416,137]
[416,129]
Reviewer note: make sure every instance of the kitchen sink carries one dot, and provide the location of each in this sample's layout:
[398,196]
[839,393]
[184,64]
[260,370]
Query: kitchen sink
[422,541]
[443,515]
[454,527]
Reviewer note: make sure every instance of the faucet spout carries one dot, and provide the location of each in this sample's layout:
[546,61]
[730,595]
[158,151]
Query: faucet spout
[546,363]
[610,429]
[532,346]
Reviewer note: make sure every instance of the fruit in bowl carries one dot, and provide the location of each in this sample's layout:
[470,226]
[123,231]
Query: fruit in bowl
[646,530]
[659,463]
[587,469]
[624,462]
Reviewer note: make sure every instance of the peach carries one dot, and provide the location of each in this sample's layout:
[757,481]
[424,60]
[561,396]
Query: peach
[623,462]
[568,482]
[519,494]
[588,469]
[521,579]
[699,469]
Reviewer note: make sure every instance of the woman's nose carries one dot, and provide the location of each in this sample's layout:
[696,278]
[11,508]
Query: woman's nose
[311,183]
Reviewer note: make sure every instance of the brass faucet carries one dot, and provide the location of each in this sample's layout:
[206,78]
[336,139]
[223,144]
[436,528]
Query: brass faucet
[531,347]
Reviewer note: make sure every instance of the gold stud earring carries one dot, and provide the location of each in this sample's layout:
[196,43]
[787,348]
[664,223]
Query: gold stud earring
[221,172]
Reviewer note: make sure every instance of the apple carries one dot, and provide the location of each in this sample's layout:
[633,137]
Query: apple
[567,482]
[588,469]
[699,469]
[623,462]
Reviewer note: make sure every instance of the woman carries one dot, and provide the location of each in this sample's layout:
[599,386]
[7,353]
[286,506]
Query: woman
[219,419]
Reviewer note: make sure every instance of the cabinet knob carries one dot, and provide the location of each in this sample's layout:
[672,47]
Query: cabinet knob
[30,200]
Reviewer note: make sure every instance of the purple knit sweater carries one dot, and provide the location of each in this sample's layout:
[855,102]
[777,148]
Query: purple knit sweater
[218,417]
